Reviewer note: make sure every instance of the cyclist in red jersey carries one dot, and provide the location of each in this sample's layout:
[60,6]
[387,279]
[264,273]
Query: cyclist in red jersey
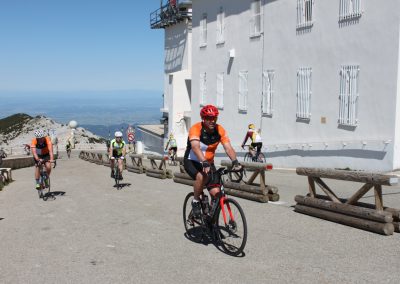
[203,140]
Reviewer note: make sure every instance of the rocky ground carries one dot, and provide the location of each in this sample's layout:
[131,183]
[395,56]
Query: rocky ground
[18,129]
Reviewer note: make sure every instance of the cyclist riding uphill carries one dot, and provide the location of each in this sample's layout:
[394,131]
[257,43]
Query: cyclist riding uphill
[42,151]
[173,146]
[203,140]
[255,137]
[117,151]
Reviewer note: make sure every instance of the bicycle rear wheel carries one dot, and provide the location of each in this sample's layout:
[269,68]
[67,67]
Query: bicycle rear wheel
[232,234]
[261,158]
[248,158]
[193,226]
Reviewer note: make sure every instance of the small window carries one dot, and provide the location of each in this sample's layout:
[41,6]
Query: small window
[220,26]
[348,97]
[349,9]
[203,30]
[220,90]
[304,93]
[304,13]
[203,89]
[243,90]
[268,91]
[256,19]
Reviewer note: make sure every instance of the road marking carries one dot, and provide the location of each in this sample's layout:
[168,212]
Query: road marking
[277,202]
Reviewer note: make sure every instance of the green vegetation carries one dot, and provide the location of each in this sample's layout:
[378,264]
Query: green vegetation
[13,122]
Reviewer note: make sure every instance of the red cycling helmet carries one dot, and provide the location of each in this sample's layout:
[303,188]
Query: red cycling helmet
[209,111]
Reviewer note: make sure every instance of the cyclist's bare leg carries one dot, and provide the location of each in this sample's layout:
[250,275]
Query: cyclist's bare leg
[37,173]
[214,192]
[48,167]
[198,185]
[120,165]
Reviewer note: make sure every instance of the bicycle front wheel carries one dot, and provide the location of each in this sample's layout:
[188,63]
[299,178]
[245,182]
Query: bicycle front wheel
[261,158]
[46,184]
[116,176]
[193,226]
[232,229]
[248,158]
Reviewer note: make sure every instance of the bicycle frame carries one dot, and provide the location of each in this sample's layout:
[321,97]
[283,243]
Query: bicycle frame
[221,199]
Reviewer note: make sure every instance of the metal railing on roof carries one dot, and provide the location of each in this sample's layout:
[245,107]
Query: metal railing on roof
[171,13]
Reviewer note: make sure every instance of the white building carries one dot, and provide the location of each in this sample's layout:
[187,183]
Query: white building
[175,18]
[319,78]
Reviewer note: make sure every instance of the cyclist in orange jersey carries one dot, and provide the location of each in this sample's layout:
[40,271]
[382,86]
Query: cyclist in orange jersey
[203,140]
[42,151]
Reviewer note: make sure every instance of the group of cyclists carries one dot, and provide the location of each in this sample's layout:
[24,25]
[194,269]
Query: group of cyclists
[202,142]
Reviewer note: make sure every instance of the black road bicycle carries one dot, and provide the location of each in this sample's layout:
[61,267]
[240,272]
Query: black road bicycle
[253,156]
[44,180]
[223,220]
[117,174]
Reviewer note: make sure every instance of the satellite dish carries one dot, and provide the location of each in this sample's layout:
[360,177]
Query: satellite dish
[73,124]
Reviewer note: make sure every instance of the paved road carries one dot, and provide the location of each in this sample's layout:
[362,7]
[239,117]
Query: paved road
[96,234]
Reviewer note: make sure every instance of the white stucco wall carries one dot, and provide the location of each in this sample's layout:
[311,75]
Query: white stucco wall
[177,80]
[372,42]
[396,159]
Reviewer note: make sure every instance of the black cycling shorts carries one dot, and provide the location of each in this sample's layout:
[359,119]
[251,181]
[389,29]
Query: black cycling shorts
[43,157]
[174,149]
[257,146]
[193,168]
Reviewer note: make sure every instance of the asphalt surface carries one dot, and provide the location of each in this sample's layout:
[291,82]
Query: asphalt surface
[97,234]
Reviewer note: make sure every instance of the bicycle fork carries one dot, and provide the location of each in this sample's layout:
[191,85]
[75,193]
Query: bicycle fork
[221,204]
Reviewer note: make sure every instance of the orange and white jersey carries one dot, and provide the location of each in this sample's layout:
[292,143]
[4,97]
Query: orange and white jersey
[208,141]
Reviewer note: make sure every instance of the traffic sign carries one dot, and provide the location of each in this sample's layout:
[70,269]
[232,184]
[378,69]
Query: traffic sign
[131,137]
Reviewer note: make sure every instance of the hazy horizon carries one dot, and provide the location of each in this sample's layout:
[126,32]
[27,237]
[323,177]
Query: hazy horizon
[86,107]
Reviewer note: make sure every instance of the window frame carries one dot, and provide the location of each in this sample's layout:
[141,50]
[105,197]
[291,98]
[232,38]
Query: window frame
[243,90]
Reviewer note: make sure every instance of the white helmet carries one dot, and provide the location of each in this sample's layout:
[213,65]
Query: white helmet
[118,134]
[39,133]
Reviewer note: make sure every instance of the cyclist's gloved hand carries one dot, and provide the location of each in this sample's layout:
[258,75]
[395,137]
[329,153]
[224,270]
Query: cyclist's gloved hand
[236,166]
[122,157]
[205,164]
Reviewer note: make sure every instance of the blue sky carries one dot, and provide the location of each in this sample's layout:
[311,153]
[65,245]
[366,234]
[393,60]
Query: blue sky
[78,45]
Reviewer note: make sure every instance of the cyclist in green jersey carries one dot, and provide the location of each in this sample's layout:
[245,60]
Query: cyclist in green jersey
[117,151]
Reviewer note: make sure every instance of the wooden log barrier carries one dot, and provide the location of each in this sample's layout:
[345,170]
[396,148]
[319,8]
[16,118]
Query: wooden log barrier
[245,187]
[160,169]
[155,175]
[376,227]
[182,176]
[250,186]
[247,195]
[347,209]
[395,212]
[137,164]
[396,227]
[357,176]
[184,181]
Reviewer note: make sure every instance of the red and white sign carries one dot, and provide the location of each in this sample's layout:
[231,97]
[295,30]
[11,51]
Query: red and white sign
[131,137]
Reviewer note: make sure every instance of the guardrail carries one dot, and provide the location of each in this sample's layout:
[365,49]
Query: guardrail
[371,217]
[156,166]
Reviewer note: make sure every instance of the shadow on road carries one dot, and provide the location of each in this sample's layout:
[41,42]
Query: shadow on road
[122,185]
[52,195]
[207,239]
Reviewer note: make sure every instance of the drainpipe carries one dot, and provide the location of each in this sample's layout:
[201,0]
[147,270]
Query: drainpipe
[262,62]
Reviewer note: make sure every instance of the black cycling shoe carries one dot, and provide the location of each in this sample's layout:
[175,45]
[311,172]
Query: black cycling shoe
[196,209]
[120,177]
